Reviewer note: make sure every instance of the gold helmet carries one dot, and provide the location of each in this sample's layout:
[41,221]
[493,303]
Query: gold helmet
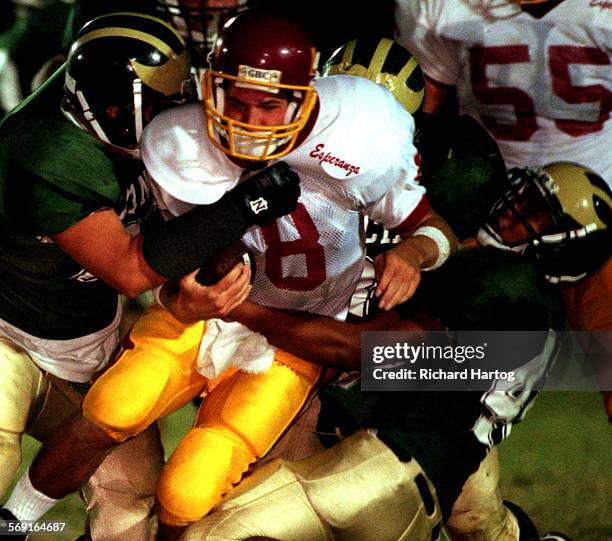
[385,62]
[565,212]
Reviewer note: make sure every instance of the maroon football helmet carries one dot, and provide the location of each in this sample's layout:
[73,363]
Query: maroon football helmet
[264,51]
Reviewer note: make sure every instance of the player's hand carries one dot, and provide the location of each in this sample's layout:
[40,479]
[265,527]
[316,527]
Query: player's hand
[194,301]
[398,273]
[268,194]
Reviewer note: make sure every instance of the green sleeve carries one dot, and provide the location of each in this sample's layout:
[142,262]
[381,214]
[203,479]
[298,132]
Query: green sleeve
[54,174]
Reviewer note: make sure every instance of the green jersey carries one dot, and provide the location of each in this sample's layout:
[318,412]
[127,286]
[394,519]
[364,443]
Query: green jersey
[52,175]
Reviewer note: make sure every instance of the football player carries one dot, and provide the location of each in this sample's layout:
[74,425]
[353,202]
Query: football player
[542,89]
[488,283]
[479,510]
[260,105]
[72,203]
[400,479]
[561,217]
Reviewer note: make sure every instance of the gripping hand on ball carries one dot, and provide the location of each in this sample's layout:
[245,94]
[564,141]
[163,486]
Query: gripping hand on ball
[190,301]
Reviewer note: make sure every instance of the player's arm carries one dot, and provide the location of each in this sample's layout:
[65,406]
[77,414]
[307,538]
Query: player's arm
[101,245]
[439,97]
[319,339]
[215,300]
[440,108]
[175,248]
[425,246]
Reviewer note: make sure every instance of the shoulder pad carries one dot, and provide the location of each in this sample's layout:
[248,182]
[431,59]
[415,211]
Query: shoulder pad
[180,158]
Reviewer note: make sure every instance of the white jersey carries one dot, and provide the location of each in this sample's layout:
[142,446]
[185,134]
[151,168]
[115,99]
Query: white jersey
[541,86]
[357,161]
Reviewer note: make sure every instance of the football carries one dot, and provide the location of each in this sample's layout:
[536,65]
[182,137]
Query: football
[217,267]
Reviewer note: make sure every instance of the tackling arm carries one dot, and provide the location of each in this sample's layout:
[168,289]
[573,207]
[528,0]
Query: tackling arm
[101,244]
[439,98]
[323,340]
[177,247]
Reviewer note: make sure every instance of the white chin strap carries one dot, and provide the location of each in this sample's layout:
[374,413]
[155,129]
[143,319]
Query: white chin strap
[563,279]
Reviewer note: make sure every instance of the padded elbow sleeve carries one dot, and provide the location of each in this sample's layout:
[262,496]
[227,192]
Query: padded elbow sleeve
[181,245]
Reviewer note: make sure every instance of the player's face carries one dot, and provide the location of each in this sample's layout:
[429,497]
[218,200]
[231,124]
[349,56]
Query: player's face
[529,206]
[255,107]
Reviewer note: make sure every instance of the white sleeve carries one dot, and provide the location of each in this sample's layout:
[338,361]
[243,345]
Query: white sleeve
[396,207]
[417,29]
[404,195]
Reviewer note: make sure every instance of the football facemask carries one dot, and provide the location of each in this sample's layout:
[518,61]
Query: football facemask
[560,215]
[199,21]
[250,141]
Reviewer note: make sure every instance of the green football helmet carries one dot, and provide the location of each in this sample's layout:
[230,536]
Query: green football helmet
[122,69]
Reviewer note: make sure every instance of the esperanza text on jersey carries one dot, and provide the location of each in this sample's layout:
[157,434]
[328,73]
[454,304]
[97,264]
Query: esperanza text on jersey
[323,157]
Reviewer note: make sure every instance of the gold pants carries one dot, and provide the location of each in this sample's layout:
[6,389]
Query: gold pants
[120,494]
[358,490]
[241,418]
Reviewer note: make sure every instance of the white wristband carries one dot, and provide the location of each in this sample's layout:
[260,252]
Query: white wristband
[441,241]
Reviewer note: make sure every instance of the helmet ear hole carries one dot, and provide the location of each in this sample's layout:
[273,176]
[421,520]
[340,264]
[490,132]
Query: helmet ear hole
[112,111]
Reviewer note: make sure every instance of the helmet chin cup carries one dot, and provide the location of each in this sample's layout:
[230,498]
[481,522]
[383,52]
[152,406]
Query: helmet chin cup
[257,146]
[487,236]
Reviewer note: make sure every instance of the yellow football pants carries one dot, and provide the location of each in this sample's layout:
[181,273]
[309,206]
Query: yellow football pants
[241,418]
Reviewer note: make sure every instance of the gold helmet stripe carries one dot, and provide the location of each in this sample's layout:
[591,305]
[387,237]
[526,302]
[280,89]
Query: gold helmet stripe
[347,57]
[161,77]
[123,32]
[380,56]
[407,70]
[136,17]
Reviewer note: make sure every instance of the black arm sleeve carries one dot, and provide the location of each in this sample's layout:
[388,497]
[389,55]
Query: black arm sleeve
[181,245]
